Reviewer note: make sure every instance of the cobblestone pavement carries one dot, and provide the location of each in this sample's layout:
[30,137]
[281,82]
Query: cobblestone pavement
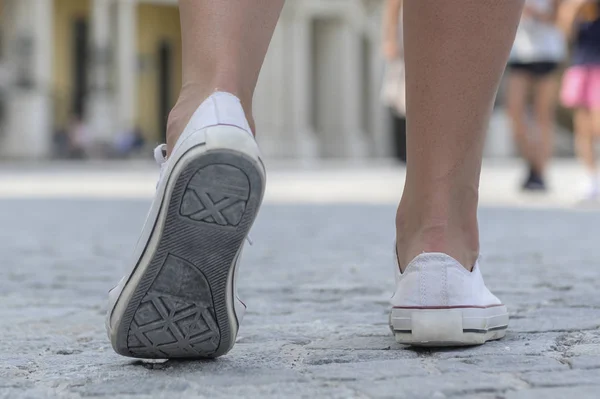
[317,282]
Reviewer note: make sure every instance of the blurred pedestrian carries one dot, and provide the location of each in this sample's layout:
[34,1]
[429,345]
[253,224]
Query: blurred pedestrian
[79,138]
[394,84]
[129,142]
[538,50]
[581,83]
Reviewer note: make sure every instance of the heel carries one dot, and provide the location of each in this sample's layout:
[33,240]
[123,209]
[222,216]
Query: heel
[459,326]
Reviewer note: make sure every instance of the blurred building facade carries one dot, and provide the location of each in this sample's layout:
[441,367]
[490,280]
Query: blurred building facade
[116,64]
[319,93]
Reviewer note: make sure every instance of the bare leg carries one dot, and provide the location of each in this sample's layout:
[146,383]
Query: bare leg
[584,139]
[224,46]
[456,52]
[209,192]
[518,88]
[545,110]
[595,120]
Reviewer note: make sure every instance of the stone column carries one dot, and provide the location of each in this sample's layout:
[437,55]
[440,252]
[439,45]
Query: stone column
[99,112]
[300,65]
[126,89]
[268,102]
[379,120]
[282,98]
[351,93]
[28,121]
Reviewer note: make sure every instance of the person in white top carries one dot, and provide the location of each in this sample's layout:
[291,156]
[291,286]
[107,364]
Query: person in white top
[394,91]
[394,84]
[179,298]
[537,52]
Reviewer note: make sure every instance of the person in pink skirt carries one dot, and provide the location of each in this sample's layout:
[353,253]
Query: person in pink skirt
[581,82]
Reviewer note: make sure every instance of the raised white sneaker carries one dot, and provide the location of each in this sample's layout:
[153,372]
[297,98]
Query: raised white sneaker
[439,303]
[179,300]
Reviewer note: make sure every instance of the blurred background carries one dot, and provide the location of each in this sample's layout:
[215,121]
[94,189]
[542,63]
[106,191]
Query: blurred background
[91,78]
[97,78]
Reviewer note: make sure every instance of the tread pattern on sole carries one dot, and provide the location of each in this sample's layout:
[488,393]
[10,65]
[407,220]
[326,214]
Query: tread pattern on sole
[180,307]
[216,194]
[176,317]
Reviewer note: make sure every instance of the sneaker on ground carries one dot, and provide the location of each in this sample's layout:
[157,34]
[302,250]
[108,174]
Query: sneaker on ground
[179,300]
[534,182]
[592,192]
[439,303]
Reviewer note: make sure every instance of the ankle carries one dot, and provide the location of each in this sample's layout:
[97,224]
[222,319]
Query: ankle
[455,233]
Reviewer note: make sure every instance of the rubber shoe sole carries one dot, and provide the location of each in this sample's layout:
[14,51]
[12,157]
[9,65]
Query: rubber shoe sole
[440,327]
[182,304]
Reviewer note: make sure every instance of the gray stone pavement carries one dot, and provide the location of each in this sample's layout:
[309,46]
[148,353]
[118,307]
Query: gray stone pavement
[317,283]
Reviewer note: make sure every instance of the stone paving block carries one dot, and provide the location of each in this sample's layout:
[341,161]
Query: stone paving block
[276,390]
[384,342]
[522,344]
[585,349]
[128,386]
[500,364]
[563,378]
[336,356]
[180,381]
[580,297]
[585,362]
[439,386]
[36,393]
[582,392]
[370,370]
[557,319]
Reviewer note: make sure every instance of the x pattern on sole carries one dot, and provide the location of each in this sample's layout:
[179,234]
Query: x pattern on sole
[176,317]
[166,326]
[216,194]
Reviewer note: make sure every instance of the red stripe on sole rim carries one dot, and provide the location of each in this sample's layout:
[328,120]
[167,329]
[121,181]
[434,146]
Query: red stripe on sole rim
[446,307]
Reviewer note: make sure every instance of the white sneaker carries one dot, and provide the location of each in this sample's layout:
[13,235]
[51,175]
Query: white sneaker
[439,303]
[592,192]
[179,300]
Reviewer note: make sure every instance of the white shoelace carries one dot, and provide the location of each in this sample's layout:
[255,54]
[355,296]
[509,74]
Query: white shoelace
[160,156]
